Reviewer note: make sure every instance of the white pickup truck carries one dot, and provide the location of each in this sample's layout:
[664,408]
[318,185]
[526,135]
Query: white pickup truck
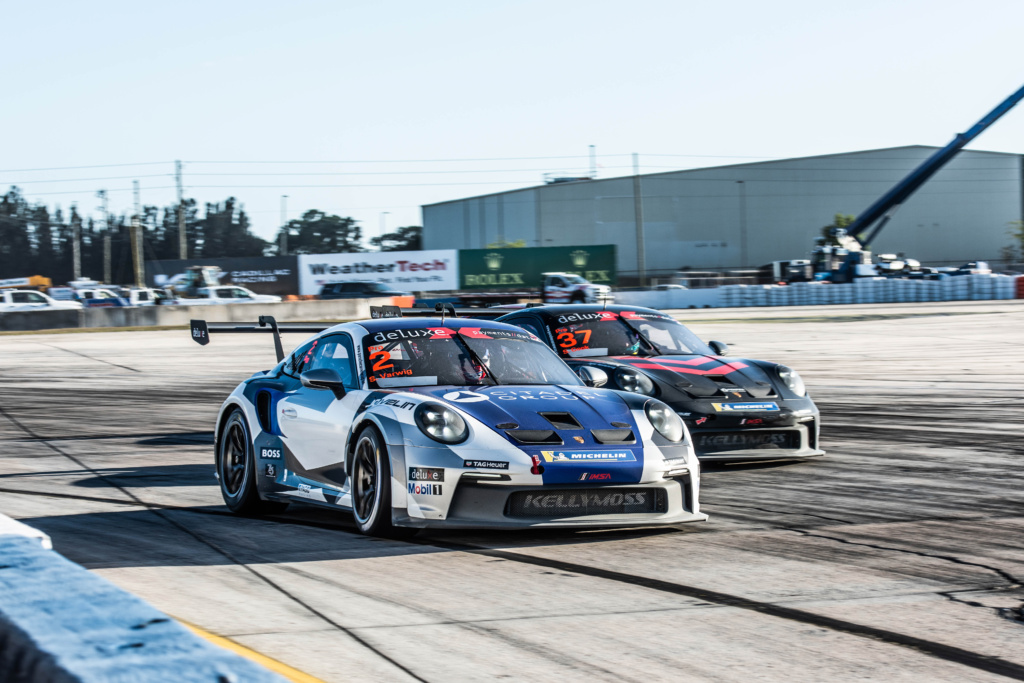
[567,288]
[28,300]
[228,294]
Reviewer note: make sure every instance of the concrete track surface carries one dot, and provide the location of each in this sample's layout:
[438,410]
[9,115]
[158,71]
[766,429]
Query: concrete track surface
[897,557]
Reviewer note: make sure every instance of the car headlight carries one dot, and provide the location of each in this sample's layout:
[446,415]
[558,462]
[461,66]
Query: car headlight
[792,380]
[634,381]
[665,420]
[441,423]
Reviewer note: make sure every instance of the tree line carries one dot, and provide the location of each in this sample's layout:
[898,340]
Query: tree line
[35,240]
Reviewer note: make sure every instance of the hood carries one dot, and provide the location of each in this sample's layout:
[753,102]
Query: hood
[703,376]
[575,431]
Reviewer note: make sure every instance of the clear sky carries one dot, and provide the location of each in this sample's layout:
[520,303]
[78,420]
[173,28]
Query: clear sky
[374,104]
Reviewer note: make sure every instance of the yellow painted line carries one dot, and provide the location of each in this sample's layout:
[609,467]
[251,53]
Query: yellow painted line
[277,667]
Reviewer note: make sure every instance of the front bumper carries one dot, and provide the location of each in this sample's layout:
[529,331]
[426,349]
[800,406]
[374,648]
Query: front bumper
[478,505]
[788,435]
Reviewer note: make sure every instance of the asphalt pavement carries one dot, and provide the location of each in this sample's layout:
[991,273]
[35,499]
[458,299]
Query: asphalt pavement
[896,557]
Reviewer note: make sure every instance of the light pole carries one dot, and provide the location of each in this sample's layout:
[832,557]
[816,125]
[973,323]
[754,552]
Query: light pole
[743,223]
[284,225]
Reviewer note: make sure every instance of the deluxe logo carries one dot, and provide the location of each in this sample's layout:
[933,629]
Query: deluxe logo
[586,317]
[744,407]
[426,474]
[270,453]
[425,489]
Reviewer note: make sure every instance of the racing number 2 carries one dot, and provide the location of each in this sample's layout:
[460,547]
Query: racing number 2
[381,364]
[569,339]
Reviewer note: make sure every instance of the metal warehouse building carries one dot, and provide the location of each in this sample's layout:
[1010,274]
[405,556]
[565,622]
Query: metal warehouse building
[745,215]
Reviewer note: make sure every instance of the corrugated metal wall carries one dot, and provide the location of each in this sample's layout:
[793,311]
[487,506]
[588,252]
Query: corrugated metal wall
[751,214]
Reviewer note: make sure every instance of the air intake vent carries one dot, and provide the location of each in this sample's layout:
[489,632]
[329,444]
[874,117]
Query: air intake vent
[614,436]
[535,436]
[562,420]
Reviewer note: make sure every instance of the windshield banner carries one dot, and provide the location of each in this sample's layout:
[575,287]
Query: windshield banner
[406,271]
[521,268]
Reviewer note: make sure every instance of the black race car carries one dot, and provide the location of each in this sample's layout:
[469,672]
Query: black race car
[736,409]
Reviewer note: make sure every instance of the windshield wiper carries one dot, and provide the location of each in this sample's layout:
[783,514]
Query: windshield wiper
[640,334]
[479,361]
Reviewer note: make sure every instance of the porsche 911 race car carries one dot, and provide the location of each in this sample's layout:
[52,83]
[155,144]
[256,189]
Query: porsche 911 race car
[736,409]
[432,422]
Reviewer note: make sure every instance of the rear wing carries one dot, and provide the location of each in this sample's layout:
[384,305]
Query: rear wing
[201,330]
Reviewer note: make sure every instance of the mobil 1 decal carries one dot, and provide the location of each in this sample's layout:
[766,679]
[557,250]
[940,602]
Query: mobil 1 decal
[566,465]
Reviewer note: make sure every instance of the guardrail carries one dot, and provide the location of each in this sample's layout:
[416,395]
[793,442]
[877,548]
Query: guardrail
[62,624]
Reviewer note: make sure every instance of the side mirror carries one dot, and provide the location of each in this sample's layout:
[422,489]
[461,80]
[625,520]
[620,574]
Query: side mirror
[720,348]
[324,378]
[591,376]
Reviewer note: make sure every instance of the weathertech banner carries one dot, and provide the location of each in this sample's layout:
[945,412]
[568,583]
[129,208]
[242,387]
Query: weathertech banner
[261,274]
[408,271]
[521,268]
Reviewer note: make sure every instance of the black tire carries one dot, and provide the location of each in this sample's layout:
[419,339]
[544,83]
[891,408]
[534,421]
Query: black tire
[371,487]
[577,298]
[236,469]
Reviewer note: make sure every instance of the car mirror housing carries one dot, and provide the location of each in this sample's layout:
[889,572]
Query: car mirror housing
[591,376]
[324,378]
[720,348]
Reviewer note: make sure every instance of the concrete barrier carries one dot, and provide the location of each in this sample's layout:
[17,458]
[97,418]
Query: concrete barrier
[166,316]
[60,623]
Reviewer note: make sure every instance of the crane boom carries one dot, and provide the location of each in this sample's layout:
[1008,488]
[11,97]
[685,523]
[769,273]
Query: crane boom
[920,175]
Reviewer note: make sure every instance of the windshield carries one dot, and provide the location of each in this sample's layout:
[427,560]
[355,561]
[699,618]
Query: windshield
[376,287]
[463,357]
[604,333]
[575,279]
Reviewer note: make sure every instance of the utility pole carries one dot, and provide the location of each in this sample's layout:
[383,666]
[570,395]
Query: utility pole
[182,242]
[284,225]
[638,210]
[76,244]
[743,223]
[140,278]
[383,224]
[102,194]
[593,162]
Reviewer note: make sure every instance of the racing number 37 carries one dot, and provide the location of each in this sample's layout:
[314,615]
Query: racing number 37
[569,339]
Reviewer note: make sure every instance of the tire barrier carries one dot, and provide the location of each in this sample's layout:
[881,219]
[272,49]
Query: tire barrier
[878,290]
[61,623]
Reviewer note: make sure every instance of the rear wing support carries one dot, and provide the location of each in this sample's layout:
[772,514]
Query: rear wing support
[201,330]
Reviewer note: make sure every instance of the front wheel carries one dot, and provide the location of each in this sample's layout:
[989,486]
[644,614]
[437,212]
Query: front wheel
[577,298]
[371,487]
[236,469]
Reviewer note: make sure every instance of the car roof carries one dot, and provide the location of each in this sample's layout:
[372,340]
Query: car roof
[381,324]
[553,310]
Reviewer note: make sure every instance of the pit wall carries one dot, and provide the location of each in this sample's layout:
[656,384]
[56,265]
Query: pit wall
[167,316]
[62,624]
[978,287]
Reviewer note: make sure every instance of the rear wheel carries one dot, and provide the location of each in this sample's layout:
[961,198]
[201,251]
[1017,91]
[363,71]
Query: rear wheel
[236,469]
[371,487]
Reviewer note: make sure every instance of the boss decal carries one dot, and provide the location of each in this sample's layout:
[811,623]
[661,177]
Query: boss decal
[270,453]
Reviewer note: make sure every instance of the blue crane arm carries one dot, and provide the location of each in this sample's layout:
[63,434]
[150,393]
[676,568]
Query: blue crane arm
[920,175]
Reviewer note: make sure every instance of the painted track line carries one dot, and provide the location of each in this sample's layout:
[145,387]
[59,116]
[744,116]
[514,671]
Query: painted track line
[280,668]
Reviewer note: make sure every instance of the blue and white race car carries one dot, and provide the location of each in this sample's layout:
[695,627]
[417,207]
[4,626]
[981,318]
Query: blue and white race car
[427,422]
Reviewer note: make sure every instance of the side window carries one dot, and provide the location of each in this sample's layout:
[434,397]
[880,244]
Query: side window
[241,294]
[36,298]
[351,288]
[559,282]
[336,352]
[19,297]
[531,325]
[298,362]
[143,295]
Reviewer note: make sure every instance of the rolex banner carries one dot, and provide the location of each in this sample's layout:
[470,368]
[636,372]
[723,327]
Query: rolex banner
[523,267]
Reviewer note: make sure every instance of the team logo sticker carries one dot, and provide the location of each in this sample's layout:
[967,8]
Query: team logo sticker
[744,407]
[465,397]
[588,456]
